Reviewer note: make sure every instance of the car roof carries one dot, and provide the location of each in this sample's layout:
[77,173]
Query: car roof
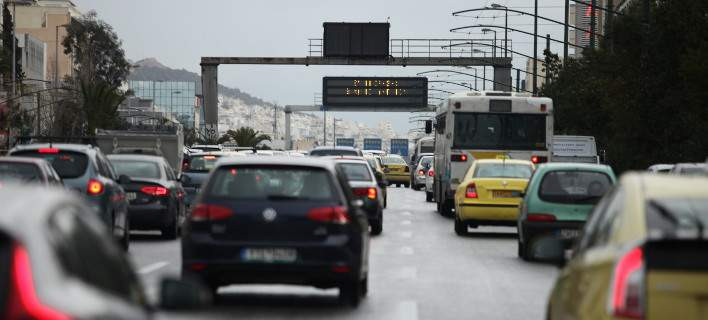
[278,161]
[689,165]
[36,161]
[141,157]
[60,146]
[655,186]
[509,161]
[219,153]
[334,148]
[573,166]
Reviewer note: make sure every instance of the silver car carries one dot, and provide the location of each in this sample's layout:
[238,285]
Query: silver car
[429,178]
[421,171]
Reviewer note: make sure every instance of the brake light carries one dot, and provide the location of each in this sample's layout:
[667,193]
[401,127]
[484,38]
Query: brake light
[209,157]
[94,187]
[431,173]
[48,150]
[540,217]
[24,303]
[156,191]
[539,159]
[210,212]
[371,194]
[471,191]
[336,215]
[421,172]
[458,157]
[626,296]
[534,159]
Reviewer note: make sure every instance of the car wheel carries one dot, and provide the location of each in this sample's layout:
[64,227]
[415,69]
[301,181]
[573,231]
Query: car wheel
[365,286]
[460,227]
[377,227]
[521,250]
[408,185]
[170,230]
[350,293]
[125,242]
[385,201]
[428,196]
[446,208]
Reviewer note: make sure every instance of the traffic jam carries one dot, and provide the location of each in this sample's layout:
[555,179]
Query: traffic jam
[627,247]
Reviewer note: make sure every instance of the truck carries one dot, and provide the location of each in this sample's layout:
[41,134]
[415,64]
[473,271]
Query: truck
[345,142]
[168,143]
[399,147]
[581,149]
[372,144]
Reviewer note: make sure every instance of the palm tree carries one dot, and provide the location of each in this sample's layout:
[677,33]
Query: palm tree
[245,137]
[100,101]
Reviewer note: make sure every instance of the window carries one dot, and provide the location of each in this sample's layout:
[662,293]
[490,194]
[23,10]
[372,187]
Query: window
[271,183]
[668,217]
[333,152]
[203,163]
[68,164]
[393,160]
[501,170]
[499,131]
[169,172]
[18,171]
[574,186]
[426,161]
[597,229]
[356,171]
[137,168]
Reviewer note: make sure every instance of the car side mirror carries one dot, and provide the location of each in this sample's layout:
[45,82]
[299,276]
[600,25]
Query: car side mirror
[428,126]
[124,179]
[183,294]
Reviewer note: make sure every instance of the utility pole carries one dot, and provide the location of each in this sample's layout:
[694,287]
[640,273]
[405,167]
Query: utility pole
[548,58]
[14,45]
[334,131]
[518,78]
[535,47]
[324,125]
[593,22]
[565,31]
[275,122]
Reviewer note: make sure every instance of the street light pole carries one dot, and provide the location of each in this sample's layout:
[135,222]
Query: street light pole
[535,46]
[14,44]
[506,26]
[593,21]
[565,31]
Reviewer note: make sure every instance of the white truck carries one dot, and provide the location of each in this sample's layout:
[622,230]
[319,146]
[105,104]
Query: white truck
[168,143]
[581,149]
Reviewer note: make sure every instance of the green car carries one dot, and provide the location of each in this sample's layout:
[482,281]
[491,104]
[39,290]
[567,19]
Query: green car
[557,202]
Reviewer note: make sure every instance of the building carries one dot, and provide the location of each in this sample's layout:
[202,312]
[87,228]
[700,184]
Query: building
[33,57]
[173,99]
[45,20]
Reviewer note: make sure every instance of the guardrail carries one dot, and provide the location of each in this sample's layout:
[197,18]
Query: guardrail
[432,48]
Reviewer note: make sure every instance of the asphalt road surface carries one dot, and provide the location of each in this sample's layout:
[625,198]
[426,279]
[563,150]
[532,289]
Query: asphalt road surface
[419,270]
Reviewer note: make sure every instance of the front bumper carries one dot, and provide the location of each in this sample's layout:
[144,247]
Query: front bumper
[531,230]
[148,216]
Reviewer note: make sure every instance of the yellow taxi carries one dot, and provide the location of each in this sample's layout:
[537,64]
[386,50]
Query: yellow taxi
[642,254]
[396,170]
[490,193]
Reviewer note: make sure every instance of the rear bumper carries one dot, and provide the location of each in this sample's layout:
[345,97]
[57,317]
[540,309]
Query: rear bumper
[480,212]
[398,178]
[419,180]
[531,230]
[148,216]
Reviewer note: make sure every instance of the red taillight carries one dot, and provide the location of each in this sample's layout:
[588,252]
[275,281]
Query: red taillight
[365,192]
[341,269]
[209,212]
[94,187]
[458,157]
[371,193]
[198,266]
[156,191]
[471,191]
[431,173]
[626,295]
[48,150]
[336,215]
[421,172]
[540,217]
[534,159]
[539,159]
[24,303]
[544,107]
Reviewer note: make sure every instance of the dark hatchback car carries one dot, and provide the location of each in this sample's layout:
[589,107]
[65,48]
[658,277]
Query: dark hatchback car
[84,168]
[365,186]
[156,197]
[28,170]
[278,221]
[195,172]
[335,151]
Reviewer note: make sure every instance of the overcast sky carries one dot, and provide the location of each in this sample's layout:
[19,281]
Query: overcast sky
[179,32]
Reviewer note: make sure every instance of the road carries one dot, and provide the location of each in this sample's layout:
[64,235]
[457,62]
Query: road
[419,270]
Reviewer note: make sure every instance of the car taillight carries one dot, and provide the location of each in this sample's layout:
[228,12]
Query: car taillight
[431,173]
[48,150]
[94,187]
[371,193]
[471,191]
[365,192]
[626,293]
[336,215]
[156,191]
[23,302]
[540,217]
[421,172]
[539,159]
[210,212]
[458,157]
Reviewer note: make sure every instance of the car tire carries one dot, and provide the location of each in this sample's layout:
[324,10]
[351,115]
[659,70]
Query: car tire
[428,196]
[377,227]
[460,227]
[125,241]
[408,185]
[170,231]
[385,201]
[350,293]
[446,208]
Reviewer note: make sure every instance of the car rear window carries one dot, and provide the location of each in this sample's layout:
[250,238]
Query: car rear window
[693,171]
[393,160]
[17,171]
[356,171]
[333,152]
[202,163]
[372,162]
[137,168]
[271,183]
[425,161]
[677,217]
[502,170]
[573,186]
[68,164]
[427,149]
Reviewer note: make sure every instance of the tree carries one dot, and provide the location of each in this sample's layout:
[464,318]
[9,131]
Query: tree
[244,137]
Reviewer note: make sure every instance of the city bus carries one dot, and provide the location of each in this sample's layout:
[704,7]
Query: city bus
[487,125]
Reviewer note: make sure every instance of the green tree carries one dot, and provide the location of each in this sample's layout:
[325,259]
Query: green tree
[244,137]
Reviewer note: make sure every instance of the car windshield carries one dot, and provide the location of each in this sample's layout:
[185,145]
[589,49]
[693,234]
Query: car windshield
[574,186]
[333,152]
[356,171]
[203,163]
[499,131]
[68,164]
[677,217]
[503,170]
[18,171]
[137,169]
[271,183]
[427,149]
[393,160]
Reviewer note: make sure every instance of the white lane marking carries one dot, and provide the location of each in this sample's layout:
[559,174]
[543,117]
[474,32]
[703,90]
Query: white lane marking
[153,267]
[408,273]
[405,222]
[407,310]
[406,250]
[406,213]
[406,234]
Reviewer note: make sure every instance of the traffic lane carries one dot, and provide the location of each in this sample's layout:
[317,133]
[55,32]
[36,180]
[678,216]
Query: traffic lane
[419,269]
[154,258]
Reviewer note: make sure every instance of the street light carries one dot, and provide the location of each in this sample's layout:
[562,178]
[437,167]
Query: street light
[506,24]
[487,30]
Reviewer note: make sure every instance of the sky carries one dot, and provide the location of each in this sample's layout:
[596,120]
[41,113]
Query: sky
[179,32]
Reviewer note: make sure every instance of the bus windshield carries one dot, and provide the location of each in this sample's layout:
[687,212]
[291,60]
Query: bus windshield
[500,131]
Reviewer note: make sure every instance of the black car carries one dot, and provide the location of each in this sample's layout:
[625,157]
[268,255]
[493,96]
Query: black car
[84,168]
[28,170]
[195,172]
[278,220]
[156,197]
[365,185]
[335,151]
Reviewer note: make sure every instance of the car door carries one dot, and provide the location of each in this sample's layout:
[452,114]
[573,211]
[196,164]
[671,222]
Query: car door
[176,192]
[116,194]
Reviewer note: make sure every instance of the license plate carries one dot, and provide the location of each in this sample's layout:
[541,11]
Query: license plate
[131,196]
[269,255]
[569,233]
[503,194]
